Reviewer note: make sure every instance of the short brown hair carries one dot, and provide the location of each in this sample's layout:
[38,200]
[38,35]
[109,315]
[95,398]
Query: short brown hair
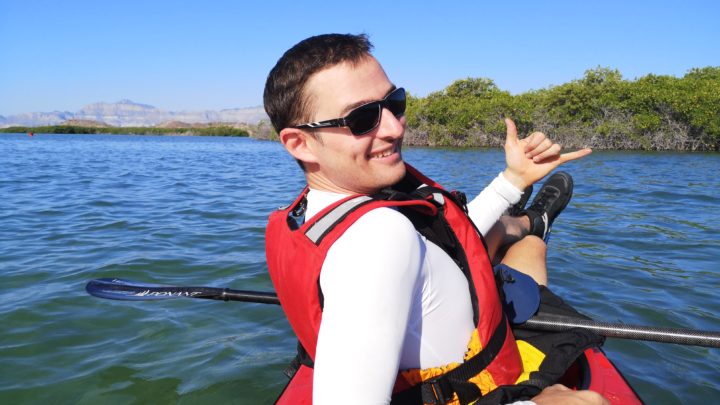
[285,100]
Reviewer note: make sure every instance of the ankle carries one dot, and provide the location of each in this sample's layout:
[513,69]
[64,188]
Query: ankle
[524,223]
[515,228]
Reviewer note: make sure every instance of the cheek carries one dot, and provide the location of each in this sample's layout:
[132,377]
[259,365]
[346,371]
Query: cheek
[347,150]
[358,150]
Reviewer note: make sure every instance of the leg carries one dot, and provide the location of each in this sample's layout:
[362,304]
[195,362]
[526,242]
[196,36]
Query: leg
[506,231]
[528,256]
[519,241]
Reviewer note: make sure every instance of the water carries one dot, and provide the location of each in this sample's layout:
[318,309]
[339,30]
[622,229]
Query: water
[639,244]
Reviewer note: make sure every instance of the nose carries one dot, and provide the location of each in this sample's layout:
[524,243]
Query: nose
[391,126]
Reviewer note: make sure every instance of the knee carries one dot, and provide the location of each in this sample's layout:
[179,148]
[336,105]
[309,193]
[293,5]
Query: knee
[533,242]
[528,247]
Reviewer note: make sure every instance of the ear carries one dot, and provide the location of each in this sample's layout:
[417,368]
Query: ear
[298,144]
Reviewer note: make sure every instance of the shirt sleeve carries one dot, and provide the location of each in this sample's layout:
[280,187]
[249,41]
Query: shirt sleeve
[368,281]
[491,203]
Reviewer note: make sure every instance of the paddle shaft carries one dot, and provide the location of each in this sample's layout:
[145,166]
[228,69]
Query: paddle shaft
[250,296]
[553,323]
[211,293]
[127,290]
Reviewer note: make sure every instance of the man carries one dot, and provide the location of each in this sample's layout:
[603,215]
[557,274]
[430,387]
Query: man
[383,298]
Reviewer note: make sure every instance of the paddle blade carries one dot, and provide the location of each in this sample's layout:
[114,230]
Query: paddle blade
[119,289]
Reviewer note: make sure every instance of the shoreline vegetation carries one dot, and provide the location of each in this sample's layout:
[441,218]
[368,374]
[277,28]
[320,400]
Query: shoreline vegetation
[601,110]
[94,127]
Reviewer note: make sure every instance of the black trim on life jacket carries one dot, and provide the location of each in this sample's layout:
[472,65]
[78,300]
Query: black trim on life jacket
[301,358]
[296,216]
[437,230]
[441,389]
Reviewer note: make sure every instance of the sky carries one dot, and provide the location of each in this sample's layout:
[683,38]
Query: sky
[181,55]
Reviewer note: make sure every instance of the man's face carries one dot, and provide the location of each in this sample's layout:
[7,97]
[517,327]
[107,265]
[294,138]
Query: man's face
[342,162]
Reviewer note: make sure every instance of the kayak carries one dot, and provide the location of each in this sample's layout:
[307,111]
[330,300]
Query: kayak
[594,371]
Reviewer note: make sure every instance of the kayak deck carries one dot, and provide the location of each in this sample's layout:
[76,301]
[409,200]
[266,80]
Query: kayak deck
[594,371]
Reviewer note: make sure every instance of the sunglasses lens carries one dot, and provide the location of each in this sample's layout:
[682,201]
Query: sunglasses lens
[396,102]
[364,118]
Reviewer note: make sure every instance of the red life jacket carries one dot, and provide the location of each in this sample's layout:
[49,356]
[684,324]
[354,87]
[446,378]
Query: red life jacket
[296,252]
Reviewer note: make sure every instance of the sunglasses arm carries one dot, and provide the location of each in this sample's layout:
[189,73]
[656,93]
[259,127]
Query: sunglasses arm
[338,122]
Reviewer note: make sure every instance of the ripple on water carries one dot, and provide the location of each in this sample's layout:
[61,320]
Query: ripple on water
[638,244]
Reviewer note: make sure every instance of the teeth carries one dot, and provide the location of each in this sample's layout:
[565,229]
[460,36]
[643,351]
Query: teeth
[382,155]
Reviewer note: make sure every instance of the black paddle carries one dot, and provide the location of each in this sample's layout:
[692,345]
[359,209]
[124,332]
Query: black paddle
[118,289]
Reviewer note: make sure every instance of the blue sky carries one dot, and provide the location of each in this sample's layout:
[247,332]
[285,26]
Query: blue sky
[194,55]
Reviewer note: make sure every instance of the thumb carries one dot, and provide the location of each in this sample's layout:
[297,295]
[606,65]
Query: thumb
[511,136]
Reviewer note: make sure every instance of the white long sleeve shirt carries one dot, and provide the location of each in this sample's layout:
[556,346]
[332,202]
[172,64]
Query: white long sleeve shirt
[392,300]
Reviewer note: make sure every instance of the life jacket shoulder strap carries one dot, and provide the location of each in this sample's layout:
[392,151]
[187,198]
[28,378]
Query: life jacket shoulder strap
[324,224]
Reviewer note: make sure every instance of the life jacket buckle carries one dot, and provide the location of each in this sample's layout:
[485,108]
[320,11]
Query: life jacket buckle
[437,391]
[461,199]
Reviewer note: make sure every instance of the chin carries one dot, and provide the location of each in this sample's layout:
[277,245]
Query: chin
[394,176]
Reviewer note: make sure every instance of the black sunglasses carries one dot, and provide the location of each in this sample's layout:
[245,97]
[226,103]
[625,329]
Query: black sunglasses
[365,118]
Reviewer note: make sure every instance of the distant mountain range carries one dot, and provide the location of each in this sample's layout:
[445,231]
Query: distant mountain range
[126,113]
